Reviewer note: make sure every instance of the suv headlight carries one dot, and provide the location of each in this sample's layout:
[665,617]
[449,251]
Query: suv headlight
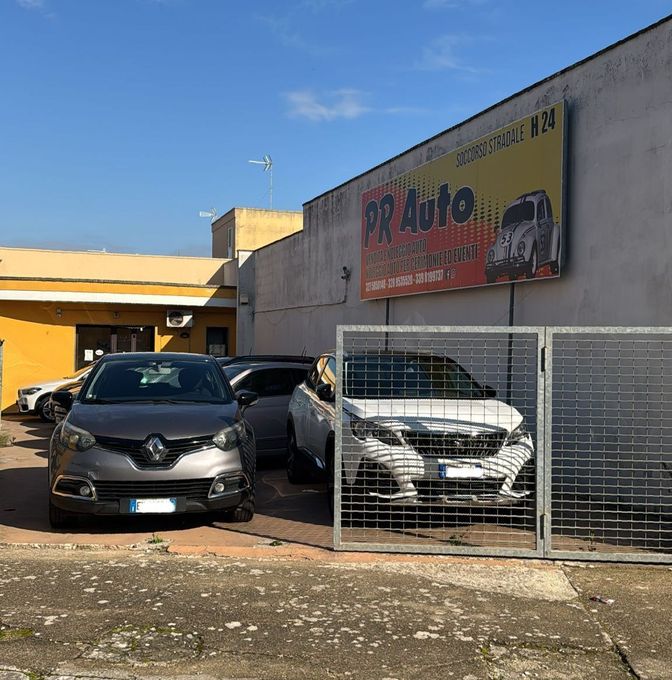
[230,437]
[366,429]
[76,439]
[517,435]
[31,390]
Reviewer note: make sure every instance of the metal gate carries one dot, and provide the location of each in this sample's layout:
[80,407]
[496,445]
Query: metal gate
[521,441]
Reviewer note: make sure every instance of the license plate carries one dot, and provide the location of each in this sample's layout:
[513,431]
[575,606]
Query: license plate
[454,472]
[153,505]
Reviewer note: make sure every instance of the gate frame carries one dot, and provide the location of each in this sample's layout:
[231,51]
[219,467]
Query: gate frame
[541,438]
[548,552]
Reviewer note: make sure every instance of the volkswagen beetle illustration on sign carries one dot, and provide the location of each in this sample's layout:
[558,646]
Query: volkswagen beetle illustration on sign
[527,240]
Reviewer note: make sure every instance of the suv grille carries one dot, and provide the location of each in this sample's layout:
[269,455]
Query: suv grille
[439,444]
[134,449]
[195,489]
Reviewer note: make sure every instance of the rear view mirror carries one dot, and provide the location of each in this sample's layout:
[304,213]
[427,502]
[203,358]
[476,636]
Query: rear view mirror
[246,398]
[63,398]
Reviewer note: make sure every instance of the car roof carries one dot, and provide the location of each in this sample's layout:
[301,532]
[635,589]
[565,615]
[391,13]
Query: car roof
[156,356]
[244,366]
[265,358]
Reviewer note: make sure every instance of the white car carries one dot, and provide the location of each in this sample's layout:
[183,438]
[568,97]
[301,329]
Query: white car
[417,428]
[35,398]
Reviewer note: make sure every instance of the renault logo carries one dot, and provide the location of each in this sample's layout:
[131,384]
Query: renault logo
[155,449]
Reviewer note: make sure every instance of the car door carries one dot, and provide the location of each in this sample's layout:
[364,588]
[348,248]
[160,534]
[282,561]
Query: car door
[268,417]
[322,412]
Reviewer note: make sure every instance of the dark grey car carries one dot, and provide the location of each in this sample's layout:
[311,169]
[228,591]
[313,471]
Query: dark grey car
[152,433]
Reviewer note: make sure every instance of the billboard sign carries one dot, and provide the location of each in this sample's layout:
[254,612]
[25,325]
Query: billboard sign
[489,212]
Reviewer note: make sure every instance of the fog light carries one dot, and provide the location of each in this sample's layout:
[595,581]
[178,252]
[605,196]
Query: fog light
[219,487]
[85,490]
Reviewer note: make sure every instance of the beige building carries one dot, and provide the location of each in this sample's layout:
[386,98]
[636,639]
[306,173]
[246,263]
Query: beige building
[247,229]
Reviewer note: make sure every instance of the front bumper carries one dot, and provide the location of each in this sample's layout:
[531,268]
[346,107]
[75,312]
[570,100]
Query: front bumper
[24,405]
[509,265]
[449,480]
[115,480]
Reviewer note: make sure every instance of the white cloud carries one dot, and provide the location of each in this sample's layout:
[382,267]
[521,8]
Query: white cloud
[31,4]
[344,103]
[440,55]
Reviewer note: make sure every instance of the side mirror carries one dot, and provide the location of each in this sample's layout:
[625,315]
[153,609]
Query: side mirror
[325,392]
[489,392]
[63,398]
[246,398]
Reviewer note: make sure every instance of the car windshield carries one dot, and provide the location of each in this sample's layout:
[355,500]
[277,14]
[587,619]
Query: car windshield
[155,380]
[393,376]
[519,212]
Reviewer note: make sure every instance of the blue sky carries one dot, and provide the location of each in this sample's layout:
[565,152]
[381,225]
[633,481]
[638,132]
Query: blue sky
[121,119]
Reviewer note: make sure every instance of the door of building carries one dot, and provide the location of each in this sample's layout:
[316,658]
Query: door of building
[95,341]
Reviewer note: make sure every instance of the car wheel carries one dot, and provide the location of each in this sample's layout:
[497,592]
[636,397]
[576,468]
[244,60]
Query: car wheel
[242,513]
[296,471]
[533,263]
[60,519]
[44,410]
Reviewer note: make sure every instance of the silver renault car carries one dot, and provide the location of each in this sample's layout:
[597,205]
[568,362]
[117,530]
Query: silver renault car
[152,433]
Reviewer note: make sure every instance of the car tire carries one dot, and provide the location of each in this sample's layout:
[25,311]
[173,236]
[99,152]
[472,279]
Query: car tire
[533,264]
[44,411]
[490,278]
[241,513]
[296,471]
[60,519]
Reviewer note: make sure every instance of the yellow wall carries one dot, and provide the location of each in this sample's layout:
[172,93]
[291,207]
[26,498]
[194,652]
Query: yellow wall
[56,264]
[40,346]
[253,228]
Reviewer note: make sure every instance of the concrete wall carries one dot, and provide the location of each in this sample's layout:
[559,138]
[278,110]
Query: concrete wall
[64,264]
[253,228]
[619,224]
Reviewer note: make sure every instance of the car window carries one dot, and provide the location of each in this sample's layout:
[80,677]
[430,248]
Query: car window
[157,380]
[316,369]
[299,375]
[549,212]
[518,212]
[234,370]
[328,375]
[268,382]
[541,210]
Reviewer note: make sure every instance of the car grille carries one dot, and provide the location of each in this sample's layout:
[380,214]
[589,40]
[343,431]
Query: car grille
[431,488]
[194,489]
[440,444]
[134,449]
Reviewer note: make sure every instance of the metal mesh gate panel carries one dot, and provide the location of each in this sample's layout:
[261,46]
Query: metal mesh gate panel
[609,444]
[437,431]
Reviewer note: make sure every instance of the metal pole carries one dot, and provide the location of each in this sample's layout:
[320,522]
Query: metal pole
[270,188]
[509,360]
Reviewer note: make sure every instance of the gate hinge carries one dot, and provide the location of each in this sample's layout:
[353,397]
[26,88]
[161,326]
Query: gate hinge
[543,359]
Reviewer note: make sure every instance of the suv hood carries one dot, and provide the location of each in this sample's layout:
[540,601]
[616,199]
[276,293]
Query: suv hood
[467,416]
[137,421]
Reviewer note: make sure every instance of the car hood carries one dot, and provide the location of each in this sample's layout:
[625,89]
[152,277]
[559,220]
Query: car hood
[137,421]
[45,386]
[467,416]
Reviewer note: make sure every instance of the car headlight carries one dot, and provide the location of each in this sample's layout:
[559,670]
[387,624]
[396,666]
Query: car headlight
[230,437]
[366,429]
[31,390]
[491,255]
[76,439]
[517,435]
[521,247]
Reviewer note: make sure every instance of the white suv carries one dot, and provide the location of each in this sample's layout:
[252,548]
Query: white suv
[417,428]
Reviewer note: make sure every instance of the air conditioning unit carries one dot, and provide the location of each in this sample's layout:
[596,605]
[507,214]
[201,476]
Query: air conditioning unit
[179,318]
